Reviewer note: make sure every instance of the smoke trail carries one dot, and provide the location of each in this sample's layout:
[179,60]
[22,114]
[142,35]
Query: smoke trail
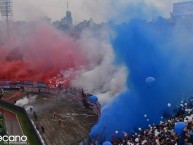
[105,78]
[38,52]
[102,77]
[156,49]
[26,100]
[22,102]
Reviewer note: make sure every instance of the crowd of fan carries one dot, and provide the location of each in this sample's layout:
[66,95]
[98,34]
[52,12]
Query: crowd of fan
[163,134]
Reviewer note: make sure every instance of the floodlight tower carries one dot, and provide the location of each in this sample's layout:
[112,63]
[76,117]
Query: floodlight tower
[6,9]
[67,5]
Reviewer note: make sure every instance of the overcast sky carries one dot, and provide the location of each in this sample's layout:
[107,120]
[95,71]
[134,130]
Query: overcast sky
[99,10]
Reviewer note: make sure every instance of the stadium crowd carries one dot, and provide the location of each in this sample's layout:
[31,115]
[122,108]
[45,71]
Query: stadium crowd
[163,133]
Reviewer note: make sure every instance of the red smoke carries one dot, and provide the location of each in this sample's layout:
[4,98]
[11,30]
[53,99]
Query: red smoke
[38,54]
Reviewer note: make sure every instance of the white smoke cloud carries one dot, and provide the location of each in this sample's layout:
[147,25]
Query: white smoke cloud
[102,78]
[22,102]
[26,100]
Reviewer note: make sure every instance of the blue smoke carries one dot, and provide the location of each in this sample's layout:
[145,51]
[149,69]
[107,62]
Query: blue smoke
[157,49]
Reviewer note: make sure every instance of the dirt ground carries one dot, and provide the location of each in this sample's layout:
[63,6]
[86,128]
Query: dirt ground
[62,115]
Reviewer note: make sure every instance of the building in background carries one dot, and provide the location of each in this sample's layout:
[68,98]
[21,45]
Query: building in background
[66,23]
[182,12]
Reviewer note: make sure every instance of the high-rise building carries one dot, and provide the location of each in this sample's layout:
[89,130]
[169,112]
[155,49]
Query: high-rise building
[182,11]
[66,21]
